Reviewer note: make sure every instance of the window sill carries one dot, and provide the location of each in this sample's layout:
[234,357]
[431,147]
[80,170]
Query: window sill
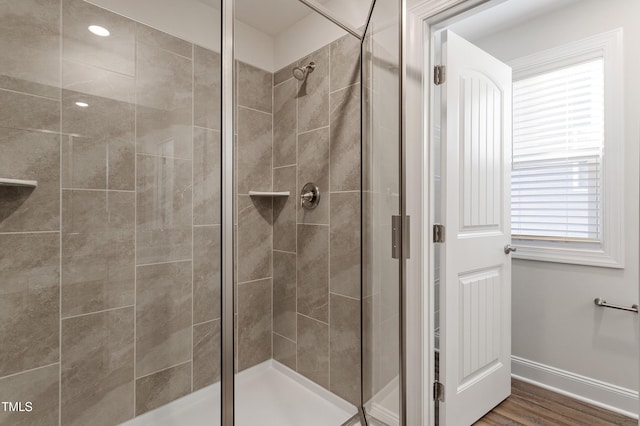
[574,256]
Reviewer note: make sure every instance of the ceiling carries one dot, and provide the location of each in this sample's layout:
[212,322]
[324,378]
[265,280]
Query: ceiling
[505,15]
[268,16]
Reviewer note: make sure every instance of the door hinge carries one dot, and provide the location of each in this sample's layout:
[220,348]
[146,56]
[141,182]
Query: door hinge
[400,237]
[438,233]
[438,75]
[438,391]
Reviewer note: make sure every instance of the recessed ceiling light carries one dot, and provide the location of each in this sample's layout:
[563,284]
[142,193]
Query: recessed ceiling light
[99,31]
[82,104]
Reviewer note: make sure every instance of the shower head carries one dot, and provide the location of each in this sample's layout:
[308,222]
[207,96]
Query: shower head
[300,73]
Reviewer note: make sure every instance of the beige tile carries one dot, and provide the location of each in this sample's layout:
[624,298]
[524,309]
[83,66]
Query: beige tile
[313,93]
[164,216]
[344,242]
[254,151]
[30,46]
[313,166]
[153,37]
[163,316]
[29,301]
[115,53]
[254,87]
[254,323]
[284,351]
[160,388]
[313,350]
[97,368]
[284,209]
[206,273]
[206,354]
[284,74]
[207,178]
[33,156]
[98,150]
[20,111]
[345,139]
[40,387]
[344,345]
[284,294]
[345,62]
[98,242]
[164,92]
[207,103]
[285,123]
[94,81]
[313,271]
[254,238]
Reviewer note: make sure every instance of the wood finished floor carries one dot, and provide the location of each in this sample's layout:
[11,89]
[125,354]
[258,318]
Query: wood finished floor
[531,405]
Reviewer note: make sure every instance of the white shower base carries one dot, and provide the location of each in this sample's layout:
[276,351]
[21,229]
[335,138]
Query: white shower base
[268,394]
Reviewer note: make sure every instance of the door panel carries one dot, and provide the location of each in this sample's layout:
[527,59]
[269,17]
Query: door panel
[475,365]
[381,200]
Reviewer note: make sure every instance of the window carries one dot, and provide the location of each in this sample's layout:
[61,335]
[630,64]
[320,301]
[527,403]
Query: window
[566,183]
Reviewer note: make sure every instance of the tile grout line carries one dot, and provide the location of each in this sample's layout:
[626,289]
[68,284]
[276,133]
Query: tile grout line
[60,143]
[164,263]
[284,337]
[255,281]
[97,312]
[164,369]
[255,110]
[313,130]
[314,319]
[295,212]
[331,46]
[193,157]
[135,224]
[17,373]
[273,216]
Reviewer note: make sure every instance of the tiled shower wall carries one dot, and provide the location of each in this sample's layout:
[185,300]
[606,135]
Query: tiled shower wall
[298,271]
[316,253]
[109,294]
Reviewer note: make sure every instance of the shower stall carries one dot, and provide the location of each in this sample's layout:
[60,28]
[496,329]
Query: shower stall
[201,212]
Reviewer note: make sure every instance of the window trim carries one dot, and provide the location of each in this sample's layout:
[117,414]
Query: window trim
[610,252]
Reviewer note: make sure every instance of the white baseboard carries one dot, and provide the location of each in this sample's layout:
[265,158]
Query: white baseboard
[602,394]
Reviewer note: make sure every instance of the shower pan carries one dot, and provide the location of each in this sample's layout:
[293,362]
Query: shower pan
[195,212]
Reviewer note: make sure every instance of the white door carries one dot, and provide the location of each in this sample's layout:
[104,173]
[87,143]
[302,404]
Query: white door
[475,357]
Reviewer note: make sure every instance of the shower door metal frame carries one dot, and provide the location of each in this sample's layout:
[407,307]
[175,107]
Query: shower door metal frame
[227,323]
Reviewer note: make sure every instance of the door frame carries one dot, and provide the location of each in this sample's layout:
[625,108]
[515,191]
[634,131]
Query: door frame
[423,17]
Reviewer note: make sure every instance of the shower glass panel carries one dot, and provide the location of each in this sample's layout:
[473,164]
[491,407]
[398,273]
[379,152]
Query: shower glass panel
[110,266]
[382,280]
[297,222]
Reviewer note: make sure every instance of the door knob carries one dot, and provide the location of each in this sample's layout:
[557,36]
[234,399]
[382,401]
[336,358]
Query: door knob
[508,249]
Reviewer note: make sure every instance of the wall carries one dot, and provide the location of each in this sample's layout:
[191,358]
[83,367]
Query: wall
[316,253]
[318,31]
[555,322]
[110,267]
[254,216]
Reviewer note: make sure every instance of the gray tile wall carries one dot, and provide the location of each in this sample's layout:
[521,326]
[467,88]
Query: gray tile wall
[316,253]
[255,216]
[109,293]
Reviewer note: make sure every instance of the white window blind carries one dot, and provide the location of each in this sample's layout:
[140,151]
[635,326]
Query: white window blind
[558,139]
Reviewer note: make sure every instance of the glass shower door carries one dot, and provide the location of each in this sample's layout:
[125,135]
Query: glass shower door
[382,207]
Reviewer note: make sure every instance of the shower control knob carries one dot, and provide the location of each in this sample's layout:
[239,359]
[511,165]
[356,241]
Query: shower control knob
[310,196]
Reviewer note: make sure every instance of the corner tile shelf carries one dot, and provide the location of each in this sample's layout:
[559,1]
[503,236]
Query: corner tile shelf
[269,194]
[18,182]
